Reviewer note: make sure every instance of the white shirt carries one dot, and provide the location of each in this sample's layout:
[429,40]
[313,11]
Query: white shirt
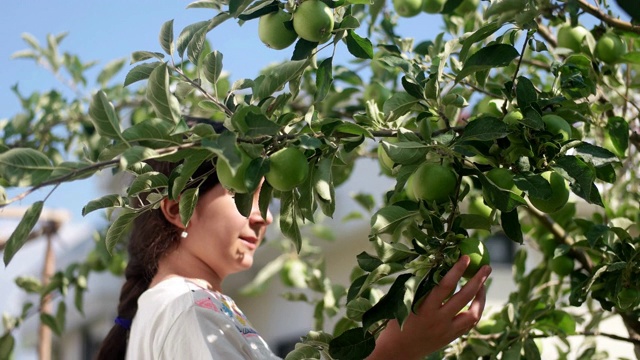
[177,319]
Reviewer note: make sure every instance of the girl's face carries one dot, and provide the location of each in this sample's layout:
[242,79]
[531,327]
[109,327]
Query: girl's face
[221,238]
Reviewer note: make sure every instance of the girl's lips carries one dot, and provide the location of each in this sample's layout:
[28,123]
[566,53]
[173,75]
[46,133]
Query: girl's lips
[251,242]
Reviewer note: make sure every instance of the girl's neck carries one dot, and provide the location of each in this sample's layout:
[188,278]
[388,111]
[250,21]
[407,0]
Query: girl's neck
[173,265]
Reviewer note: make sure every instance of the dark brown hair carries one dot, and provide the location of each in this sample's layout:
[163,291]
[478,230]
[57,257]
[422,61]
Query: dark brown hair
[151,237]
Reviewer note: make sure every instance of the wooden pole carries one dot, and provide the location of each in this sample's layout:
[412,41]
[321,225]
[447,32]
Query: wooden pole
[49,228]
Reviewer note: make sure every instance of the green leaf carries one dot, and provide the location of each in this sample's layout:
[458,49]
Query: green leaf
[21,233]
[213,66]
[7,343]
[188,202]
[153,132]
[74,170]
[204,4]
[511,225]
[388,218]
[323,186]
[140,72]
[136,154]
[165,104]
[107,201]
[595,155]
[525,92]
[357,307]
[582,177]
[104,117]
[289,219]
[303,49]
[119,229]
[109,71]
[166,37]
[489,57]
[303,352]
[138,56]
[353,344]
[244,203]
[391,306]
[259,125]
[406,152]
[24,167]
[533,184]
[277,76]
[61,316]
[190,165]
[368,262]
[398,104]
[632,57]
[480,34]
[324,79]
[147,181]
[358,46]
[618,129]
[187,34]
[51,323]
[236,7]
[485,128]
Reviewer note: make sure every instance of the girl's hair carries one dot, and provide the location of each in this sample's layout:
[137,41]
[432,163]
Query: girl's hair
[152,236]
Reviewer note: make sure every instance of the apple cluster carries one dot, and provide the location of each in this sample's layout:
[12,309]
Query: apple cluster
[312,20]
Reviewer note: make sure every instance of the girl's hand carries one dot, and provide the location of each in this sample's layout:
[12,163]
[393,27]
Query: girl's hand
[436,323]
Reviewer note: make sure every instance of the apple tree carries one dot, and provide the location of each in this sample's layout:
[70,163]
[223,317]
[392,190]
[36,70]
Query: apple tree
[520,117]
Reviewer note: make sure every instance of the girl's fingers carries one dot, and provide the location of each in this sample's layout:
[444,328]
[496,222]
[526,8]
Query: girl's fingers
[466,320]
[447,285]
[470,290]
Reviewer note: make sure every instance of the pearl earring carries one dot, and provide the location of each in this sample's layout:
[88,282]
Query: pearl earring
[184,234]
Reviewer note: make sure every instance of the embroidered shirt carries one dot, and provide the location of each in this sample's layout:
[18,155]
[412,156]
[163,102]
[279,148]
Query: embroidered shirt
[177,319]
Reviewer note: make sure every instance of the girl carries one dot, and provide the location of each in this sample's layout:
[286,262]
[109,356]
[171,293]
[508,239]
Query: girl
[172,305]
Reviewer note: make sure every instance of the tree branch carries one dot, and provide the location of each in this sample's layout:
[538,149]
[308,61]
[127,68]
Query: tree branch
[560,235]
[611,21]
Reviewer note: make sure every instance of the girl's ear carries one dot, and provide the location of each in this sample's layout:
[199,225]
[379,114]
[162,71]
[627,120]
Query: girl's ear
[171,211]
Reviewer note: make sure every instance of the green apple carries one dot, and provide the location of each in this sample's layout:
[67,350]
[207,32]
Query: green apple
[313,21]
[407,8]
[273,33]
[434,182]
[467,6]
[610,48]
[386,164]
[562,265]
[557,126]
[572,37]
[491,107]
[478,254]
[433,6]
[559,193]
[288,168]
[513,117]
[478,207]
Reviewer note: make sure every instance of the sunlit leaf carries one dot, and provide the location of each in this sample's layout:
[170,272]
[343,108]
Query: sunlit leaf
[21,233]
[24,167]
[166,37]
[159,95]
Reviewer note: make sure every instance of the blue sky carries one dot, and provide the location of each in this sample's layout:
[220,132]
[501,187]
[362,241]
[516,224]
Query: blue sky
[108,30]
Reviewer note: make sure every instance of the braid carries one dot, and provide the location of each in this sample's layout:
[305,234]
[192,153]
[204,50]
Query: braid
[147,244]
